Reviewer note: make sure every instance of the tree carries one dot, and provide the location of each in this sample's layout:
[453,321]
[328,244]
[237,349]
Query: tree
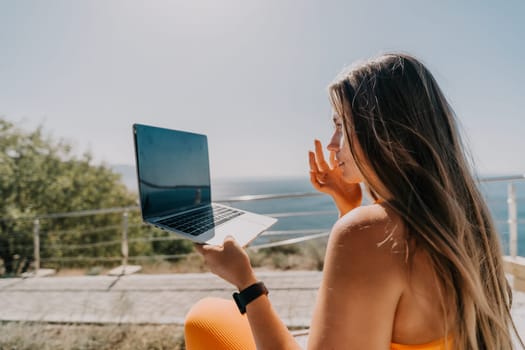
[38,176]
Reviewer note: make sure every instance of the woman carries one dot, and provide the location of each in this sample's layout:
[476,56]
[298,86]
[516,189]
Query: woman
[421,267]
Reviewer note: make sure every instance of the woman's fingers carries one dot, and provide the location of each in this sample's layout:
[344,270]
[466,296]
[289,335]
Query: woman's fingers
[321,174]
[313,179]
[314,170]
[206,249]
[333,162]
[319,169]
[320,156]
[231,243]
[313,163]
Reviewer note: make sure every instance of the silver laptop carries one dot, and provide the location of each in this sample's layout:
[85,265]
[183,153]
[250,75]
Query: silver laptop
[174,188]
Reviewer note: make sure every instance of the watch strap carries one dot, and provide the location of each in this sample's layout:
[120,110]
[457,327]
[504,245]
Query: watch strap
[249,294]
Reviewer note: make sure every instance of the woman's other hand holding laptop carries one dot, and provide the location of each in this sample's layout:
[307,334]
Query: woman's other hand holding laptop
[229,261]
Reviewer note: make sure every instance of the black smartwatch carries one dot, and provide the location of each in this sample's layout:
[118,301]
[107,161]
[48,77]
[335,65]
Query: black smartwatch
[249,294]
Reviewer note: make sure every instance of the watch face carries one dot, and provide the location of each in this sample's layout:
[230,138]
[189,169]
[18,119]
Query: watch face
[238,302]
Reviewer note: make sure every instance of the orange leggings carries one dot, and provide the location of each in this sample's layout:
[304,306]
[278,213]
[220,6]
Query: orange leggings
[214,323]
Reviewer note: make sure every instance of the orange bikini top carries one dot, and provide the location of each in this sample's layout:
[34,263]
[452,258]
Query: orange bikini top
[435,345]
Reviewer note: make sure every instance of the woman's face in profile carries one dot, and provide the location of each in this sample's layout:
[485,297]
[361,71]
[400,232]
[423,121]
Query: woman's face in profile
[343,156]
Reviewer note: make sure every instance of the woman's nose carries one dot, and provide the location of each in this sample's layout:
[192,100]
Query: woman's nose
[335,142]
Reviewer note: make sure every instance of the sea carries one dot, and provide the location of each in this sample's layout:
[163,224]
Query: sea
[495,194]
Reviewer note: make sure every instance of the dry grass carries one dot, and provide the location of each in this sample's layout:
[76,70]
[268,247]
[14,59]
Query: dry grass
[308,255]
[191,263]
[303,256]
[33,336]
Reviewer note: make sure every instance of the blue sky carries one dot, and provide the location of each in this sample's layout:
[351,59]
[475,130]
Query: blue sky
[252,75]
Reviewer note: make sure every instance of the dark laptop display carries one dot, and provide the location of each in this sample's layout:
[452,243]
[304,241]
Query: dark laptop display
[173,171]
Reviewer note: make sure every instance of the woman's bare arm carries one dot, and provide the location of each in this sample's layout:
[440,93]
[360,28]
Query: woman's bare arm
[362,284]
[268,330]
[231,263]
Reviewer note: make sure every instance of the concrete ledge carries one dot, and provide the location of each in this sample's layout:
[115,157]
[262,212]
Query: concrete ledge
[125,270]
[59,284]
[516,267]
[39,273]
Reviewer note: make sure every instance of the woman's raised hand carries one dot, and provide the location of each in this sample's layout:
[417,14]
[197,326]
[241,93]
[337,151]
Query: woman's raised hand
[328,178]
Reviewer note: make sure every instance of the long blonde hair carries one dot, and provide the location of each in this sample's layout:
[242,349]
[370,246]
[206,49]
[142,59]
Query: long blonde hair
[407,132]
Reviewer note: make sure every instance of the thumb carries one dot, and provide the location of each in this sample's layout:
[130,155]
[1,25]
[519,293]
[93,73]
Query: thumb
[229,241]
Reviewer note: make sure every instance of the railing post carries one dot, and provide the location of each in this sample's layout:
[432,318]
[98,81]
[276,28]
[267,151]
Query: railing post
[513,220]
[36,244]
[125,250]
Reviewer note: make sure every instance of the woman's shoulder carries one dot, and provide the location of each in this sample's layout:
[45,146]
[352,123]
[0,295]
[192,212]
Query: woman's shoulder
[371,222]
[372,236]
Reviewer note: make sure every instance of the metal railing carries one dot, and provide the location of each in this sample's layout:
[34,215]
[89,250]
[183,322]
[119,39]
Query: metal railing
[512,208]
[124,241]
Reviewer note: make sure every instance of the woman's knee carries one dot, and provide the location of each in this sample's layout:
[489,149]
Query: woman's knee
[216,323]
[206,310]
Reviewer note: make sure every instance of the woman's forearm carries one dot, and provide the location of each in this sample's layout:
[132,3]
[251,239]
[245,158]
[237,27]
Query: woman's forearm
[269,332]
[232,263]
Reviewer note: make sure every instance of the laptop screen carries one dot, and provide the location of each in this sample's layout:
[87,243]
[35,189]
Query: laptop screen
[173,170]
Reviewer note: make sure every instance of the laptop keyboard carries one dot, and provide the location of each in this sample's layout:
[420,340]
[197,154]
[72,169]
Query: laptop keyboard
[201,220]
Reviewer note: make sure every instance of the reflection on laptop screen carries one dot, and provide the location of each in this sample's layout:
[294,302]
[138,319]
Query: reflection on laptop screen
[173,170]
